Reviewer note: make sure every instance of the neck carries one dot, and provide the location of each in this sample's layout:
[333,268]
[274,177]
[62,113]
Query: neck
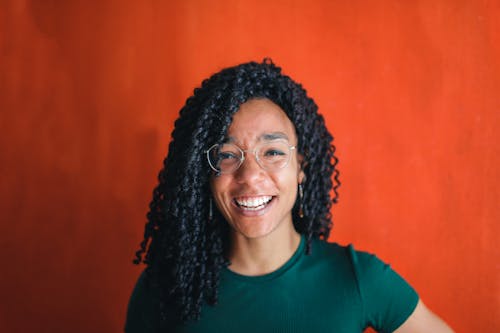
[263,255]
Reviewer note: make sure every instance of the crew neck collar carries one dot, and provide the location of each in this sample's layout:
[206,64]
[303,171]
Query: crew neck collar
[272,275]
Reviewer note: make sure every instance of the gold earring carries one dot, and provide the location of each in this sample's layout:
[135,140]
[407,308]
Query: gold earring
[301,206]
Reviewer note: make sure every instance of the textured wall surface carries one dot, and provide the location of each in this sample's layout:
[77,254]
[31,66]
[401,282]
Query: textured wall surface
[89,91]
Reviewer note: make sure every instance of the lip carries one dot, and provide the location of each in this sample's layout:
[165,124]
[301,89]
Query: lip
[251,213]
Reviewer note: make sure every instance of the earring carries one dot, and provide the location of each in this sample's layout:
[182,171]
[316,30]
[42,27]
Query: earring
[301,207]
[210,210]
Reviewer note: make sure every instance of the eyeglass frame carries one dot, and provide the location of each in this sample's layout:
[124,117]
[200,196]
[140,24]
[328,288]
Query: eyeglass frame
[244,152]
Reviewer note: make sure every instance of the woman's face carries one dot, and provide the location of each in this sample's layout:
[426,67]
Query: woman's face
[254,201]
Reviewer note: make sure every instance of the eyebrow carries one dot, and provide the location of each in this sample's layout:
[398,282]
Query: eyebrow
[273,136]
[264,137]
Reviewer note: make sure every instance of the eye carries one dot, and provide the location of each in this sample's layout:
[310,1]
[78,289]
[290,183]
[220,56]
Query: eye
[274,152]
[225,155]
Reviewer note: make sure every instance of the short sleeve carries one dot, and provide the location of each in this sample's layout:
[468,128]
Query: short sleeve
[388,300]
[140,312]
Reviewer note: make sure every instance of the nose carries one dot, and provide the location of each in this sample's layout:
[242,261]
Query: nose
[249,171]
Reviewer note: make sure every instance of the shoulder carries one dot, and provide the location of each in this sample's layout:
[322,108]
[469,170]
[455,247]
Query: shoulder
[143,288]
[142,306]
[361,262]
[335,253]
[322,249]
[387,298]
[341,262]
[381,290]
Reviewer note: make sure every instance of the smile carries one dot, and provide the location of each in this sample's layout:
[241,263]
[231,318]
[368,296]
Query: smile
[253,203]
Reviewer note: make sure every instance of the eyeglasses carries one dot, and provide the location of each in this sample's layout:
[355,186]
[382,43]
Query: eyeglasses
[271,156]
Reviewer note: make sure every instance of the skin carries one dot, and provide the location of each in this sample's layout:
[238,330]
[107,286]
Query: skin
[264,240]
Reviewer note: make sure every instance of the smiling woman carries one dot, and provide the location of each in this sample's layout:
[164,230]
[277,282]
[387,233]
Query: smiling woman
[236,234]
[257,197]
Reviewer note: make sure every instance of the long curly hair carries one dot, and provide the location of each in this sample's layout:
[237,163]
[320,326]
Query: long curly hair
[185,243]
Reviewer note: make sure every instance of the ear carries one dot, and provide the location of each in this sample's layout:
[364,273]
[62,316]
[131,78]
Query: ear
[301,176]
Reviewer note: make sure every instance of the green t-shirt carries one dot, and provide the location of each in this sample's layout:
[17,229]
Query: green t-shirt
[334,289]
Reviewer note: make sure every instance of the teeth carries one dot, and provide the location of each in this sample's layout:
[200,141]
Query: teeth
[253,203]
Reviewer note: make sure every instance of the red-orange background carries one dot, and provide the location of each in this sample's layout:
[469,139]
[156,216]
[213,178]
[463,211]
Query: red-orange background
[89,91]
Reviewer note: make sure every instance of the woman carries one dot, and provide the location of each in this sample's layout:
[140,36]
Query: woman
[236,233]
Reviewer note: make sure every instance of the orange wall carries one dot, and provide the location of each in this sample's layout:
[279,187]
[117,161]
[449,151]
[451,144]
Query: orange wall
[89,92]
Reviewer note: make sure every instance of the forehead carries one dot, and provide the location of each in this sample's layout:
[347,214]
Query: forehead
[260,119]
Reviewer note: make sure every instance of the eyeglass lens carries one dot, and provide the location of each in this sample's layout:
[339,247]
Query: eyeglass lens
[228,157]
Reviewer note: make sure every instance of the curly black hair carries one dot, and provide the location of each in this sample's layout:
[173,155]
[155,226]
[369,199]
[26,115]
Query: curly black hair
[185,244]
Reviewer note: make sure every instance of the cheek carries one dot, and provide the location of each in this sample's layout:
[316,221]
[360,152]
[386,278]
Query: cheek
[288,179]
[286,184]
[218,187]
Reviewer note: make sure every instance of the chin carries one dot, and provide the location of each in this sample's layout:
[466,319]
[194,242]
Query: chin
[254,229]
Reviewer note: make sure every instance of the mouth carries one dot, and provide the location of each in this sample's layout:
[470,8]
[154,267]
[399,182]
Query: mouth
[253,203]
